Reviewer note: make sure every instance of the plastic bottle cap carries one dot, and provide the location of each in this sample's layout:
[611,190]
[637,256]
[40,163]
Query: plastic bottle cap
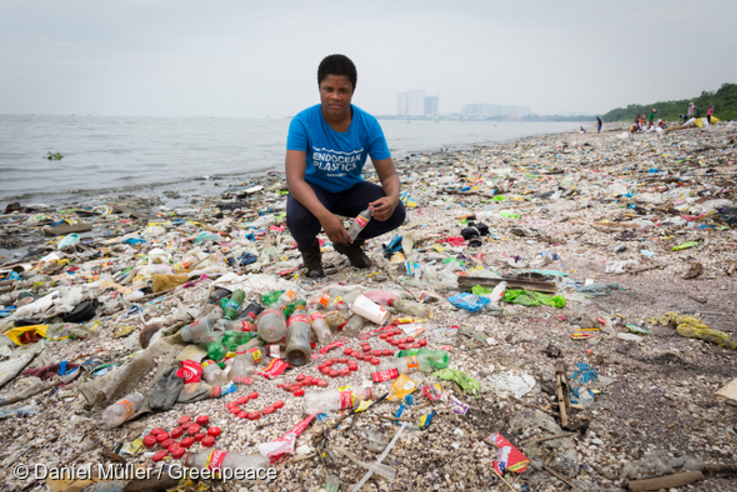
[193,429]
[187,442]
[242,400]
[202,420]
[156,431]
[422,342]
[149,441]
[178,453]
[390,301]
[184,419]
[198,437]
[375,362]
[300,377]
[278,404]
[333,373]
[162,436]
[348,351]
[299,392]
[268,410]
[208,441]
[386,352]
[231,404]
[177,433]
[252,396]
[377,352]
[235,410]
[254,416]
[159,455]
[167,443]
[214,431]
[243,415]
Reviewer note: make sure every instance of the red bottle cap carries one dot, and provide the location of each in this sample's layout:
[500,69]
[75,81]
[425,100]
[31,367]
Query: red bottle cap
[377,353]
[159,455]
[202,420]
[184,419]
[333,373]
[178,453]
[167,443]
[198,437]
[348,351]
[352,367]
[344,371]
[235,410]
[383,336]
[299,392]
[402,346]
[366,348]
[231,404]
[410,339]
[323,384]
[214,431]
[267,410]
[149,441]
[422,342]
[386,352]
[208,441]
[177,433]
[187,442]
[156,431]
[300,377]
[162,436]
[252,396]
[416,345]
[254,416]
[278,404]
[193,429]
[375,362]
[343,360]
[243,415]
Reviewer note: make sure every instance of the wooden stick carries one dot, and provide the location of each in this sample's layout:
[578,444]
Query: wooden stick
[503,480]
[535,441]
[677,480]
[560,477]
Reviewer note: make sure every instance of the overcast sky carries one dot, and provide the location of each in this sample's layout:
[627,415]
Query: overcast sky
[257,59]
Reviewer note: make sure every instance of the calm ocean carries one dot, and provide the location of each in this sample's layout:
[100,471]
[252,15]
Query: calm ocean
[119,155]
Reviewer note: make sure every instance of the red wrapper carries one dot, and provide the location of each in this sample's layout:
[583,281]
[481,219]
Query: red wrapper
[509,458]
[275,367]
[190,371]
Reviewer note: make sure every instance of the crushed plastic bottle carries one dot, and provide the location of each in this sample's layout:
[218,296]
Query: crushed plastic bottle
[225,460]
[354,326]
[121,410]
[201,331]
[245,362]
[409,307]
[335,399]
[212,374]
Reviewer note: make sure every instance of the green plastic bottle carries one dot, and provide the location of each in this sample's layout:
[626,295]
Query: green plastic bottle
[438,359]
[271,297]
[230,311]
[234,339]
[289,308]
[216,351]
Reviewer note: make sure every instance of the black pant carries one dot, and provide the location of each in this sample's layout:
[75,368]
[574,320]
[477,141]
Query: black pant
[304,226]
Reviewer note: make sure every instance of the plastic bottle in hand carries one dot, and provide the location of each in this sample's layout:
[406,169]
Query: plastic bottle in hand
[216,459]
[298,337]
[212,374]
[335,399]
[409,307]
[320,327]
[272,326]
[230,311]
[359,223]
[121,410]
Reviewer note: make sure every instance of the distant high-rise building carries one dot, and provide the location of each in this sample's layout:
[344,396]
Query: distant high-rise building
[494,110]
[431,106]
[411,103]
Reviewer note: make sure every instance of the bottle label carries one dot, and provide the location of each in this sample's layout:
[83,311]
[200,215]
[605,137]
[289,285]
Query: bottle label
[233,304]
[296,318]
[128,407]
[346,397]
[291,295]
[413,365]
[316,315]
[275,367]
[256,354]
[387,375]
[361,222]
[215,460]
[191,371]
[325,299]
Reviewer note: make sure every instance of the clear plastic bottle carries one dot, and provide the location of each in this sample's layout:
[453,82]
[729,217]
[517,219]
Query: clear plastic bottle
[335,399]
[406,365]
[438,359]
[320,327]
[201,331]
[298,338]
[382,297]
[212,374]
[359,223]
[121,410]
[409,307]
[284,299]
[335,320]
[354,326]
[216,459]
[245,362]
[272,326]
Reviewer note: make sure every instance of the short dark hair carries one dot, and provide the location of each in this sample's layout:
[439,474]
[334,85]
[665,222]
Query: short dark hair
[337,65]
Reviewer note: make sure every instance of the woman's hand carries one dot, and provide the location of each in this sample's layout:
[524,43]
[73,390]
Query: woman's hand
[383,208]
[334,229]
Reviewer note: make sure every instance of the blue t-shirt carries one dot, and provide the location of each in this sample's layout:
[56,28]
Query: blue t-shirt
[335,160]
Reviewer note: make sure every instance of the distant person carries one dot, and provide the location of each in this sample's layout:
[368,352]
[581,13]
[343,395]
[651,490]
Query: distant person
[598,125]
[582,130]
[697,114]
[327,147]
[709,113]
[691,110]
[651,118]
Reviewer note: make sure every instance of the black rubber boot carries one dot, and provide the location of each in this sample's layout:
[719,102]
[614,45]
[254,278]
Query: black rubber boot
[312,260]
[354,252]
